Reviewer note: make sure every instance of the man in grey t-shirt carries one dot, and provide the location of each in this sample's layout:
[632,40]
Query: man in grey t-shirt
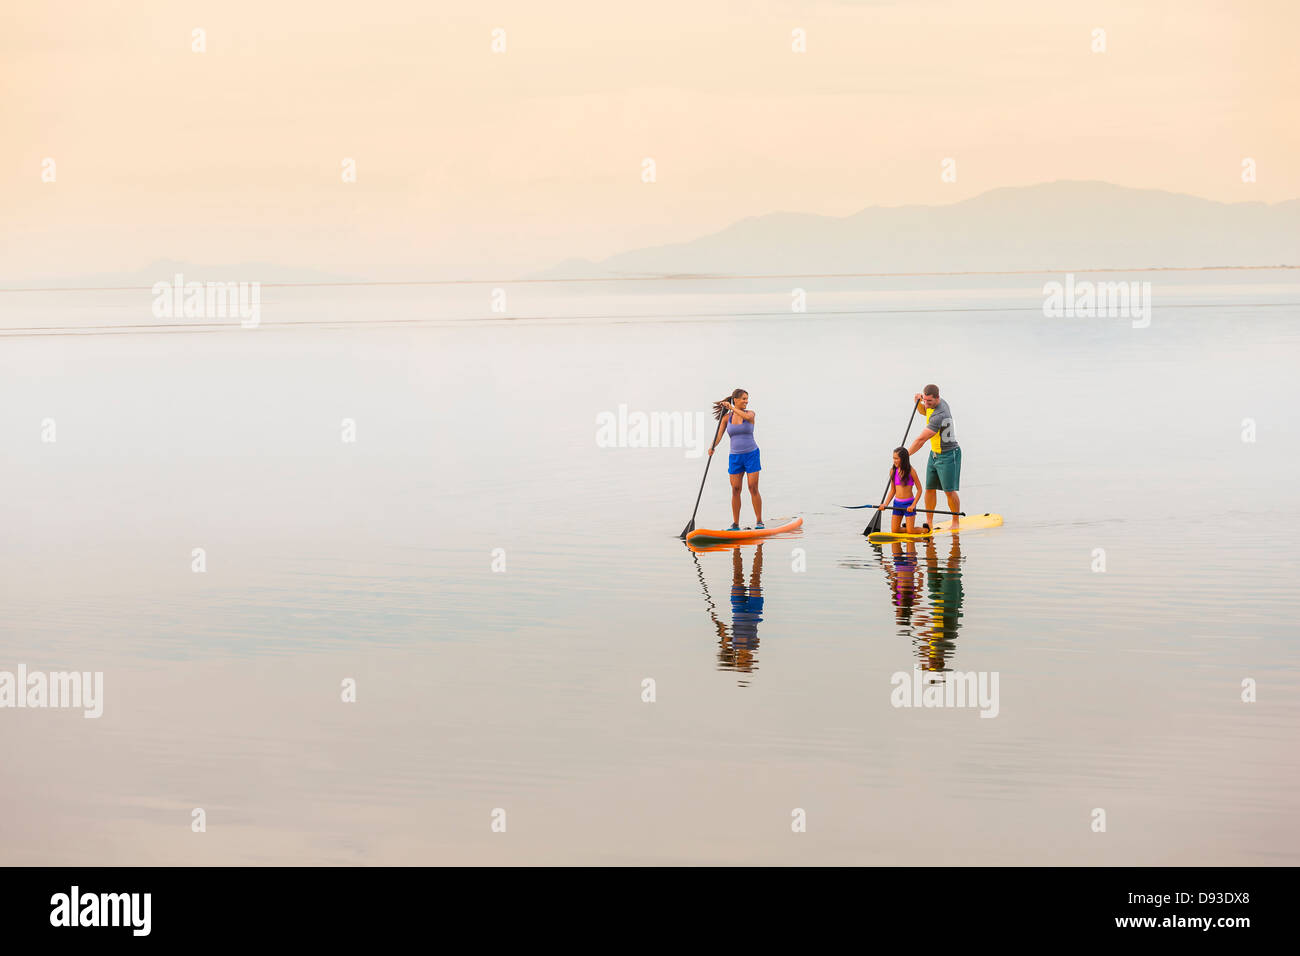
[943,471]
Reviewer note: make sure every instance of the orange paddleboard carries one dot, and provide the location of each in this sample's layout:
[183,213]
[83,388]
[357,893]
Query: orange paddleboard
[701,535]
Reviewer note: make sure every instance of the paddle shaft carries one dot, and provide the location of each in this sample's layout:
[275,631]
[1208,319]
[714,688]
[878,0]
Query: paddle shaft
[690,525]
[874,523]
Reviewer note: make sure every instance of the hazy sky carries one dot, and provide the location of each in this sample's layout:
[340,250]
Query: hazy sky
[474,163]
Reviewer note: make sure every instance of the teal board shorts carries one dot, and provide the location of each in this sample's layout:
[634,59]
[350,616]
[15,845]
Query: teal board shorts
[943,472]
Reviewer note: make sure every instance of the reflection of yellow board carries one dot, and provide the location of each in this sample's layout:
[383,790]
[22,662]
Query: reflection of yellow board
[901,536]
[969,523]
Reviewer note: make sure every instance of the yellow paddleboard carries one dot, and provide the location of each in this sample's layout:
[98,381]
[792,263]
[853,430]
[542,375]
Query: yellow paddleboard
[968,523]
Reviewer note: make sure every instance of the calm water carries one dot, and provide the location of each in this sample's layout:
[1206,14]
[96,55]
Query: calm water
[521,688]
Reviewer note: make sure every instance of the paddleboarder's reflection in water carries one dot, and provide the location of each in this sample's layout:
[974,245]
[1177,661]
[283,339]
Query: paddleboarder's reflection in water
[738,641]
[938,635]
[927,594]
[904,579]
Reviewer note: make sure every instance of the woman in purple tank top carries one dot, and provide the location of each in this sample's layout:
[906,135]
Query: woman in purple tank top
[732,414]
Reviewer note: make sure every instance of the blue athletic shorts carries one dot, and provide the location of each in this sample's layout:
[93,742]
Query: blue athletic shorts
[746,463]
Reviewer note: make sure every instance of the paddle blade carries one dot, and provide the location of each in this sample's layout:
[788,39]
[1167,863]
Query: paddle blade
[690,526]
[873,525]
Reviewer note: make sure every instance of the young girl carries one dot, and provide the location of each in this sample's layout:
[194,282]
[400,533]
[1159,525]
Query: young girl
[744,458]
[903,481]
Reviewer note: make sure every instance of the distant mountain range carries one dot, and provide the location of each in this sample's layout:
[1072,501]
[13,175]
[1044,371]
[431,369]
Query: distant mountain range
[1051,227]
[1048,227]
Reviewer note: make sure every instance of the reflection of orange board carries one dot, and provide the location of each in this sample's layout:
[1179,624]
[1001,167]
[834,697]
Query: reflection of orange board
[713,536]
[969,523]
[705,546]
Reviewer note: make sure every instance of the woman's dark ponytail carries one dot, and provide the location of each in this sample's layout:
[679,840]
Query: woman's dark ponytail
[720,408]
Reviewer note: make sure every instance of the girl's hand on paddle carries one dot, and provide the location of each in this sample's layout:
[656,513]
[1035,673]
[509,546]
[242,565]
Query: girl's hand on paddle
[710,451]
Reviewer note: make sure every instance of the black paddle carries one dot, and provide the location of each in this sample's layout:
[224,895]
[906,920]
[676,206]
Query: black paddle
[690,525]
[929,511]
[874,525]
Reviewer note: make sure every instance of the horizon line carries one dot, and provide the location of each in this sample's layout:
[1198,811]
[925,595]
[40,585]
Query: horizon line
[671,277]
